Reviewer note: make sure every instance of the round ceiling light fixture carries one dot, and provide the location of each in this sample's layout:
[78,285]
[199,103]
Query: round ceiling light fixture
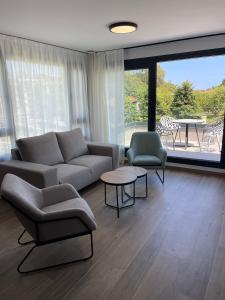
[123,27]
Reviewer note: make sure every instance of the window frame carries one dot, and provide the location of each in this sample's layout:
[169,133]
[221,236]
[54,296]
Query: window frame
[150,63]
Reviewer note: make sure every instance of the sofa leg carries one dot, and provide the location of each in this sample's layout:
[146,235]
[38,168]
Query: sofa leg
[163,176]
[51,266]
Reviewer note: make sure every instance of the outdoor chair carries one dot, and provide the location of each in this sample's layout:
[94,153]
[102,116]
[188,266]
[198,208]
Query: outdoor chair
[49,215]
[146,151]
[169,125]
[211,131]
[163,132]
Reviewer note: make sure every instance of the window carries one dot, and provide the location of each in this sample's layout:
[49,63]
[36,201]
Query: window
[190,106]
[40,97]
[186,104]
[136,102]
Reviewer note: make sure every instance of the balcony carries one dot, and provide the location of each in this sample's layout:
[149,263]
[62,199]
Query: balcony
[204,149]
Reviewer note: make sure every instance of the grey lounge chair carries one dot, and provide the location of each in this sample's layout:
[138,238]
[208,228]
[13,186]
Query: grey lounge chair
[49,215]
[146,150]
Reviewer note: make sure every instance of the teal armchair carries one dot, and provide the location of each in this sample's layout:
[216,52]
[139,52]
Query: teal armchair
[146,150]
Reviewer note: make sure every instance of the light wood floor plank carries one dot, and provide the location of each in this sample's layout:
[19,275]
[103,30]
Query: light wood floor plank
[170,246]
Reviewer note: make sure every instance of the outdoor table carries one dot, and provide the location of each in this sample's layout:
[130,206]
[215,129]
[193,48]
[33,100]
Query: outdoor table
[188,122]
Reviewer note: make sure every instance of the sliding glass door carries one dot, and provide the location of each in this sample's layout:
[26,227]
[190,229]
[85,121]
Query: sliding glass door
[184,101]
[190,106]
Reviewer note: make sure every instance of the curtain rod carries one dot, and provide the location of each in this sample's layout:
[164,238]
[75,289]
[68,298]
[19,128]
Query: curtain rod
[27,39]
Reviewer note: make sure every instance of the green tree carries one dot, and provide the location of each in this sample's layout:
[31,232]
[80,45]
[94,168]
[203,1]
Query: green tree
[223,82]
[165,94]
[216,101]
[160,75]
[136,96]
[183,104]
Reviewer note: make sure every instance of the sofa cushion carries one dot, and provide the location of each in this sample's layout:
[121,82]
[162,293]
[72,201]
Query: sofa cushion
[96,163]
[72,144]
[78,176]
[146,160]
[42,149]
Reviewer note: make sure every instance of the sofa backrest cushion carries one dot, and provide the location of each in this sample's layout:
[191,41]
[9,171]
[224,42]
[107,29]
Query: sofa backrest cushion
[42,149]
[72,144]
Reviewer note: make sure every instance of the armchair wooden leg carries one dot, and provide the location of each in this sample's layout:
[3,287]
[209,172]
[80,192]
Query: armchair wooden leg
[163,175]
[51,266]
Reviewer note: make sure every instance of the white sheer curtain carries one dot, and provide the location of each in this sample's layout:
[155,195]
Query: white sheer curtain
[42,88]
[5,119]
[106,101]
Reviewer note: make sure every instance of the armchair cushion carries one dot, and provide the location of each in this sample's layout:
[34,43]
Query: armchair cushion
[42,149]
[72,144]
[146,160]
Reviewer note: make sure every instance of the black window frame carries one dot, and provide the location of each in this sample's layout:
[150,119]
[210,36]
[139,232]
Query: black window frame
[150,63]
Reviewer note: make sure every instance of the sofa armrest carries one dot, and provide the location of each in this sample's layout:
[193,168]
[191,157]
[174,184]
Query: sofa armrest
[130,156]
[59,193]
[36,174]
[111,150]
[162,154]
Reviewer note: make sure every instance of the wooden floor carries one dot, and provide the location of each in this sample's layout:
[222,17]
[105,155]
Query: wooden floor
[170,246]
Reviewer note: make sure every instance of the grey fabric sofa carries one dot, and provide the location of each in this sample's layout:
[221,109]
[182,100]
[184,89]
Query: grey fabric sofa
[61,157]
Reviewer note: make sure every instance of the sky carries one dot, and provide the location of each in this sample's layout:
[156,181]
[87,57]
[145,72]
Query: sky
[203,73]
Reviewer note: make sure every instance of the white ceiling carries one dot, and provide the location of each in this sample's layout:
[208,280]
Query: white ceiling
[82,24]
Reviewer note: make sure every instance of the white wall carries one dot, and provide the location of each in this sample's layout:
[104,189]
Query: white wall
[176,47]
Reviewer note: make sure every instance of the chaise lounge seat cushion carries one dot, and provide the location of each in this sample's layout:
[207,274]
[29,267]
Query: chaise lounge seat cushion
[78,176]
[97,164]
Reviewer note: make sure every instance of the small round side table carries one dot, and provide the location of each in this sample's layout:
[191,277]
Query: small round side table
[139,172]
[119,179]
